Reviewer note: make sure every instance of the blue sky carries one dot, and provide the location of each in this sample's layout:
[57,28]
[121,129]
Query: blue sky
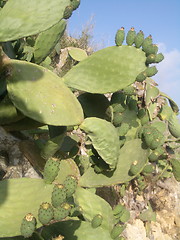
[160,18]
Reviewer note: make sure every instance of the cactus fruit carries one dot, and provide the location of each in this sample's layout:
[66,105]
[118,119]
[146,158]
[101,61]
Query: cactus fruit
[125,216]
[152,137]
[151,71]
[148,169]
[134,168]
[132,105]
[58,195]
[174,126]
[120,35]
[151,59]
[159,57]
[139,39]
[68,12]
[147,41]
[97,221]
[75,4]
[70,183]
[116,231]
[155,154]
[151,49]
[45,213]
[51,170]
[141,76]
[28,225]
[130,37]
[62,211]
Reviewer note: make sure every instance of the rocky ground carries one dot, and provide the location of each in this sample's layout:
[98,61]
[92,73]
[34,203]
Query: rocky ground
[164,196]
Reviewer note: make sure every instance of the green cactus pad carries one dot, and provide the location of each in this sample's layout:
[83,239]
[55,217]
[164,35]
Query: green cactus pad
[47,40]
[45,213]
[107,70]
[74,229]
[77,54]
[104,139]
[131,151]
[8,113]
[67,167]
[22,18]
[94,105]
[41,95]
[174,126]
[92,205]
[17,198]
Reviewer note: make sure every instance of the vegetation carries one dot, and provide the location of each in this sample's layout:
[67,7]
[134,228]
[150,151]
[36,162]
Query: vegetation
[105,122]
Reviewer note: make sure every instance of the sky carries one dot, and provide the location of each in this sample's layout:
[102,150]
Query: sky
[160,18]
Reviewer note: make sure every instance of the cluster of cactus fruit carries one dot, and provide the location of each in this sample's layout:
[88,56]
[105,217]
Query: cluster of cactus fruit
[94,139]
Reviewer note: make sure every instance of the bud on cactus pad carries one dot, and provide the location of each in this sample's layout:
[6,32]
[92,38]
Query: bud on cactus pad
[141,76]
[147,41]
[45,213]
[51,170]
[28,225]
[151,71]
[119,38]
[58,195]
[118,209]
[70,183]
[97,221]
[159,57]
[62,211]
[130,37]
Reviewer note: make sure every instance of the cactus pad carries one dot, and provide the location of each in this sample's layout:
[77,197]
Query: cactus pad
[77,54]
[42,95]
[24,18]
[131,151]
[17,198]
[107,70]
[104,139]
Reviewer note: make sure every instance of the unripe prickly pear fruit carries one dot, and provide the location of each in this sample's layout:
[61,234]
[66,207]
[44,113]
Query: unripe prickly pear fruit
[51,169]
[134,169]
[129,90]
[75,4]
[132,105]
[147,41]
[97,221]
[120,35]
[68,12]
[139,38]
[151,59]
[130,37]
[62,212]
[117,119]
[148,169]
[116,231]
[70,183]
[58,195]
[28,225]
[45,213]
[151,49]
[151,71]
[159,57]
[141,76]
[155,154]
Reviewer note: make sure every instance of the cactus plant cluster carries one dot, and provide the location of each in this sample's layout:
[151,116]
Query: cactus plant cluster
[119,129]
